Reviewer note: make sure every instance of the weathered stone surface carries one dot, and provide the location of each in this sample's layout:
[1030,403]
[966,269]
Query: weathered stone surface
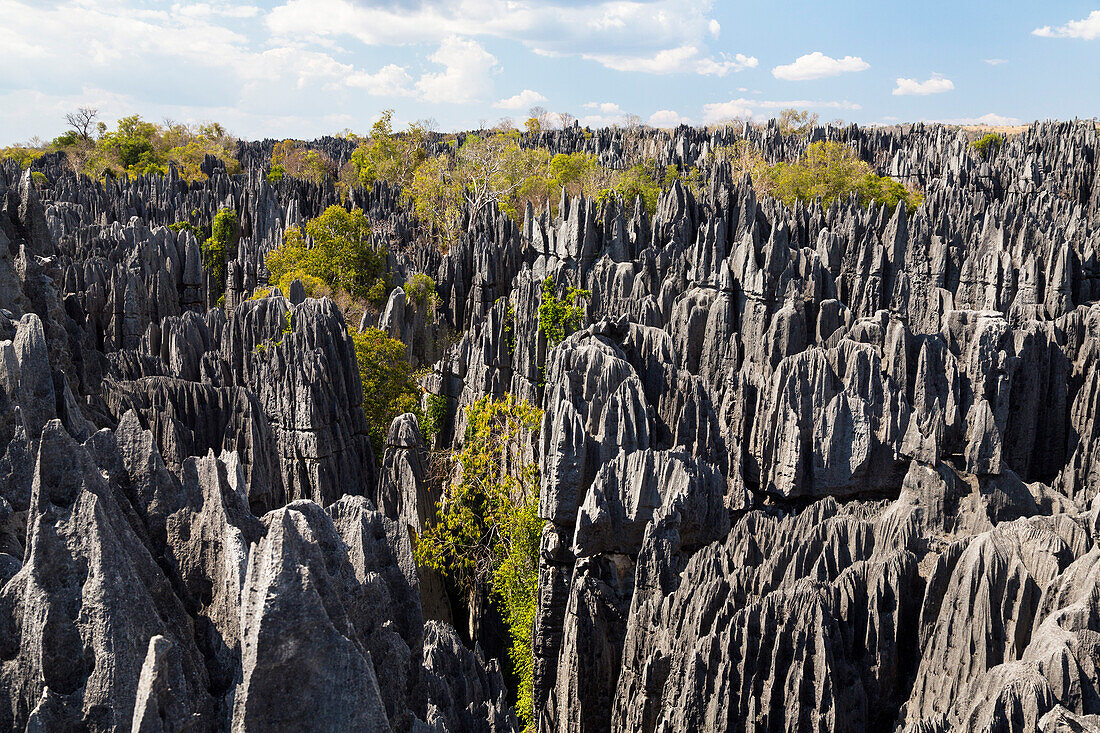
[197,525]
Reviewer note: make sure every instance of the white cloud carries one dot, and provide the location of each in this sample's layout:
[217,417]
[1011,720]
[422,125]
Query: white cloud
[761,108]
[389,81]
[1086,30]
[668,118]
[936,85]
[817,65]
[206,10]
[990,119]
[676,60]
[605,108]
[733,109]
[524,100]
[603,114]
[467,74]
[996,62]
[651,36]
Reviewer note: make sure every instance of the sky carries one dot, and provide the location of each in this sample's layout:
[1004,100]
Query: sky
[305,68]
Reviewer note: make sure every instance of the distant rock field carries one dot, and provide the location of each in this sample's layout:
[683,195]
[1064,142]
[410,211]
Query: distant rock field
[821,468]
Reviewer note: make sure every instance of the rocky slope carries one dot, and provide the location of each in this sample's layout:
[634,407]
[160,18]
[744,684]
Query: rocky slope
[820,468]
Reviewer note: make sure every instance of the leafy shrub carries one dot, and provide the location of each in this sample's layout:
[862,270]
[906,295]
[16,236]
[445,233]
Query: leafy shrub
[558,315]
[389,387]
[342,255]
[988,144]
[794,121]
[40,179]
[420,289]
[221,247]
[387,156]
[435,415]
[138,147]
[180,226]
[830,171]
[23,155]
[486,537]
[290,158]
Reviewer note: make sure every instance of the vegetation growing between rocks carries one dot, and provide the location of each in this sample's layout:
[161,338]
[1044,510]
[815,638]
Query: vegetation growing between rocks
[828,170]
[420,289]
[987,144]
[290,158]
[343,256]
[221,247]
[389,384]
[486,537]
[558,316]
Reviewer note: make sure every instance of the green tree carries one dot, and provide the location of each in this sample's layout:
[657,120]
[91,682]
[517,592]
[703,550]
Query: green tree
[435,195]
[486,536]
[557,316]
[389,387]
[221,247]
[988,144]
[342,256]
[388,156]
[420,289]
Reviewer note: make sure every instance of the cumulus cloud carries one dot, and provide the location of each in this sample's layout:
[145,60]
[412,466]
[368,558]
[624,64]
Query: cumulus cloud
[524,100]
[1087,29]
[668,118]
[996,62]
[676,60]
[817,65]
[762,108]
[936,85]
[654,36]
[389,81]
[206,10]
[466,76]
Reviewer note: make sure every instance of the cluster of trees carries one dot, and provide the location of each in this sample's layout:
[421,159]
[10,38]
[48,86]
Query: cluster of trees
[134,147]
[827,170]
[485,539]
[485,536]
[335,256]
[988,144]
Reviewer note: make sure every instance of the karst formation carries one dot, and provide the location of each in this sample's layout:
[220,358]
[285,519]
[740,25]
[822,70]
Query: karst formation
[821,467]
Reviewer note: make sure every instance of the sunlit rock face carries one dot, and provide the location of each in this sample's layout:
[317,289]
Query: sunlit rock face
[829,467]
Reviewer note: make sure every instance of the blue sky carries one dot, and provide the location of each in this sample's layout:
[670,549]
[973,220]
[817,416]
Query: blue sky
[303,68]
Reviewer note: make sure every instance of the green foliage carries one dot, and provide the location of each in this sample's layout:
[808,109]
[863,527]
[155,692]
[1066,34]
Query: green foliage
[389,387]
[794,121]
[435,194]
[885,190]
[387,156]
[138,147]
[420,289]
[559,315]
[435,415]
[486,537]
[290,158]
[221,247]
[180,226]
[829,171]
[988,144]
[637,181]
[40,179]
[342,255]
[23,155]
